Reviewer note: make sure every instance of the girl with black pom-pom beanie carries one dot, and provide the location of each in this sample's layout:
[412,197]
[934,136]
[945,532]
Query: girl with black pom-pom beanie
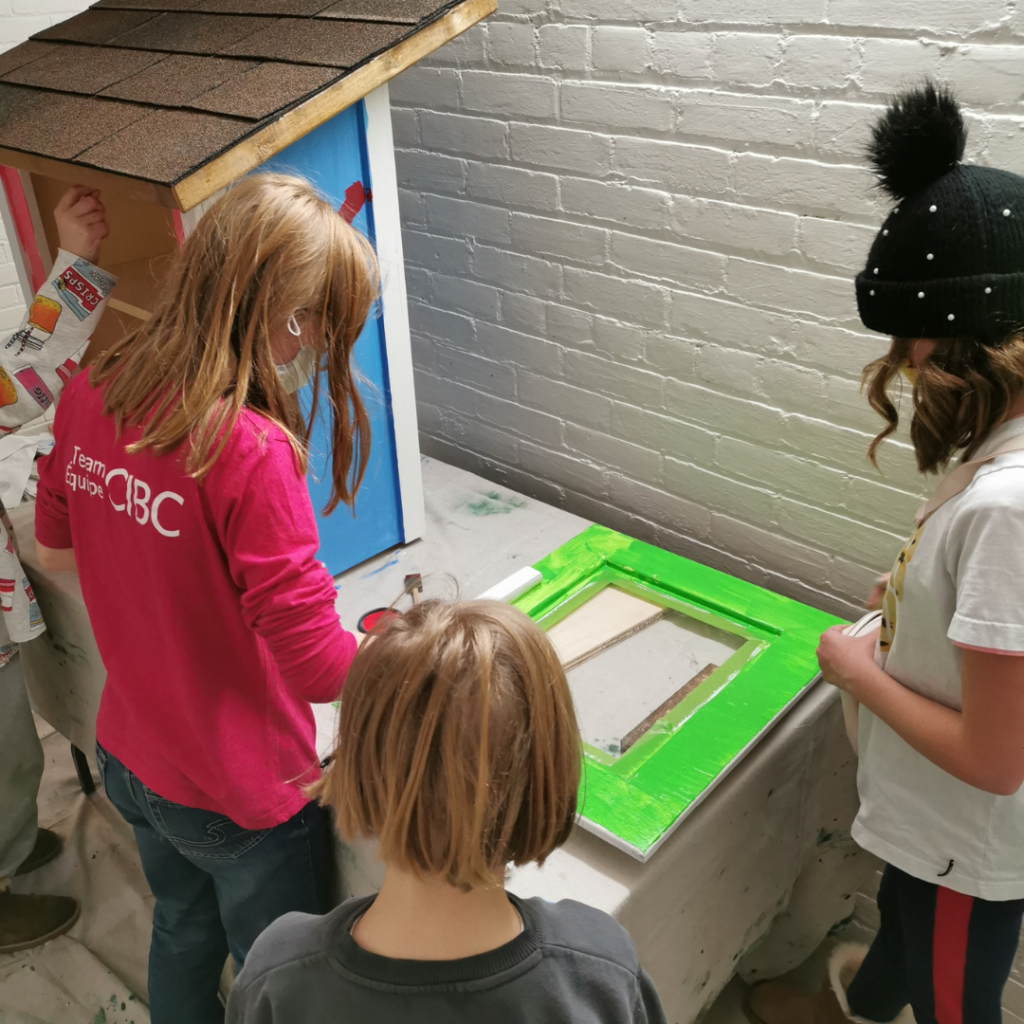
[941,683]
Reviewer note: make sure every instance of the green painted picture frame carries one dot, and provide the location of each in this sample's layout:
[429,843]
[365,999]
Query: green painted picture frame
[636,800]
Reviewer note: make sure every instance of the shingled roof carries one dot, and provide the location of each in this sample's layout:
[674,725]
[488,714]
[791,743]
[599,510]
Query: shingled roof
[180,97]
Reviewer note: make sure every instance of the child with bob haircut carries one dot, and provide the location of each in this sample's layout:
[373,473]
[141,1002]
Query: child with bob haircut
[458,751]
[177,488]
[941,683]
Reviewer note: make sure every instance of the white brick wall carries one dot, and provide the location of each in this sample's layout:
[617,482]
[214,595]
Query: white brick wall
[631,228]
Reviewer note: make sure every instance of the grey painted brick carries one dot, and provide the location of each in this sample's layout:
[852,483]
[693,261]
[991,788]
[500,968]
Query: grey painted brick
[668,261]
[843,129]
[836,243]
[472,136]
[673,165]
[514,95]
[664,434]
[459,365]
[987,75]
[727,369]
[460,218]
[574,404]
[621,204]
[520,350]
[805,185]
[747,122]
[413,208]
[682,55]
[470,298]
[888,64]
[418,169]
[612,452]
[580,243]
[619,48]
[668,355]
[563,323]
[405,124]
[817,62]
[631,11]
[430,87]
[717,492]
[572,472]
[613,338]
[605,377]
[839,533]
[513,186]
[660,506]
[512,42]
[734,225]
[786,289]
[563,47]
[561,148]
[466,49]
[442,324]
[432,251]
[619,105]
[746,58]
[524,313]
[952,16]
[632,301]
[517,272]
[754,12]
[713,318]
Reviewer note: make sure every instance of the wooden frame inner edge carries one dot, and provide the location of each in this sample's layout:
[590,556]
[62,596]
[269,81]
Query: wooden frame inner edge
[291,126]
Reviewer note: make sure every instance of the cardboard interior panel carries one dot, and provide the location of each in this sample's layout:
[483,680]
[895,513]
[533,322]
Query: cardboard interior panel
[82,69]
[193,33]
[141,242]
[59,125]
[268,87]
[166,145]
[178,78]
[340,44]
[96,27]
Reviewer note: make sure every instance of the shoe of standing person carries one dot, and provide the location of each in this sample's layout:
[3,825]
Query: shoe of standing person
[47,847]
[30,920]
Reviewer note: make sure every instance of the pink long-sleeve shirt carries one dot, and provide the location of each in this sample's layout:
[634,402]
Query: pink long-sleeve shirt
[215,621]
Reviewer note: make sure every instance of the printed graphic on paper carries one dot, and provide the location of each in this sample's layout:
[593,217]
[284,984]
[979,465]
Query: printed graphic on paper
[33,384]
[83,287]
[42,320]
[8,392]
[7,594]
[35,616]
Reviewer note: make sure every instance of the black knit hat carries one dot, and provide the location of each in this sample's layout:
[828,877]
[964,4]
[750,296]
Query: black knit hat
[949,259]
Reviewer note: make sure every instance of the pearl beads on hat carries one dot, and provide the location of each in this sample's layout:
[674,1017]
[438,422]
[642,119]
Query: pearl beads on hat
[988,291]
[951,316]
[930,256]
[1006,212]
[920,295]
[932,208]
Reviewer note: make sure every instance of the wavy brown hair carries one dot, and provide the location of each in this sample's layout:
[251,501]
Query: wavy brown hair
[272,247]
[457,746]
[964,389]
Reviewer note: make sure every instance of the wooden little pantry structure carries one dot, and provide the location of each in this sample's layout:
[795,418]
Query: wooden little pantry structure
[162,104]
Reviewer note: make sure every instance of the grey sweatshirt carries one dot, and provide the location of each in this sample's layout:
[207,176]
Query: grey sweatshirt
[571,963]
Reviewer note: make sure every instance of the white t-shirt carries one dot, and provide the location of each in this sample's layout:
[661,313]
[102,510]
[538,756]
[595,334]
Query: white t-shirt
[958,580]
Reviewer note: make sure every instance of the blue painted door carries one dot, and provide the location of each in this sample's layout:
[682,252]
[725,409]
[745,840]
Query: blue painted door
[334,158]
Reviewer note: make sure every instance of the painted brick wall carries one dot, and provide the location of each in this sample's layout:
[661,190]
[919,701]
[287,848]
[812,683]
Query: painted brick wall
[631,229]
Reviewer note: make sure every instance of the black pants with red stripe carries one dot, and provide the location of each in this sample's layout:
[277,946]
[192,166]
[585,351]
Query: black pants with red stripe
[946,954]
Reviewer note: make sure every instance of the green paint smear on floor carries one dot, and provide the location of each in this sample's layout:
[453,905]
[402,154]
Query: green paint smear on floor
[639,796]
[100,1018]
[492,503]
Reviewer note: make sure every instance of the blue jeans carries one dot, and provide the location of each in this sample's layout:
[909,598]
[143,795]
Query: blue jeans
[217,886]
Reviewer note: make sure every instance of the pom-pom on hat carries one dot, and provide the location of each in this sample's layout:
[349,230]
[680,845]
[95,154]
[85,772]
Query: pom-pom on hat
[949,259]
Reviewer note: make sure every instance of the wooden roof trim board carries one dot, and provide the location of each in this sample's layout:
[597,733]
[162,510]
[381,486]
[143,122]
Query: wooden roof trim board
[258,147]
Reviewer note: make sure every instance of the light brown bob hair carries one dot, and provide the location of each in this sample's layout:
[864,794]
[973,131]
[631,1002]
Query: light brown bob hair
[964,389]
[457,747]
[271,248]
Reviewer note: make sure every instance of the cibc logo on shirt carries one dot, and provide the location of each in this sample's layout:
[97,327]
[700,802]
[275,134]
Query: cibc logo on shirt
[126,493]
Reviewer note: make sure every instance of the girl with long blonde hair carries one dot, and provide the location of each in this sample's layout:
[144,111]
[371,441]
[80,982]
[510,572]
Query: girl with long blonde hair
[177,489]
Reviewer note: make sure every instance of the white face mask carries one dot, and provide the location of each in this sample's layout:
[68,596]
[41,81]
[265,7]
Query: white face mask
[298,372]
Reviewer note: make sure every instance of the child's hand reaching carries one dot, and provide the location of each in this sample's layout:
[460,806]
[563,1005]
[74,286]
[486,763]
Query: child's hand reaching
[845,660]
[81,222]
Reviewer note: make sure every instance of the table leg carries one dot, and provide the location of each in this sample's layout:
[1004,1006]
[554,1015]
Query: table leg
[84,771]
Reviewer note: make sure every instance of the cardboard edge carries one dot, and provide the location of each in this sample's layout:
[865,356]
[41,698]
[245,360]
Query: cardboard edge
[262,144]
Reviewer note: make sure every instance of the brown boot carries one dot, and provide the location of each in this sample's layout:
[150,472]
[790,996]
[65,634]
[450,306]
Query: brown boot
[47,847]
[775,1002]
[27,921]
